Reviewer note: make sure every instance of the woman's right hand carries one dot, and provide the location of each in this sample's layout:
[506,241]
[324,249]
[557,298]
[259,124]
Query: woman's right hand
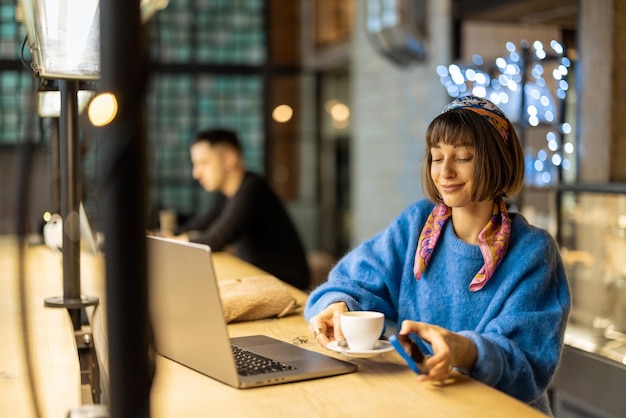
[325,325]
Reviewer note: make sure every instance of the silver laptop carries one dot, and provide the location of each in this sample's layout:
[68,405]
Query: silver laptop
[189,325]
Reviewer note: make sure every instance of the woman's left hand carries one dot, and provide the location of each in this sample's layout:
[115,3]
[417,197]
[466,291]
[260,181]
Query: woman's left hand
[450,350]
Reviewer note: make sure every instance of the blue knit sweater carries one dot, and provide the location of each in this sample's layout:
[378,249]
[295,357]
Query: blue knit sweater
[517,320]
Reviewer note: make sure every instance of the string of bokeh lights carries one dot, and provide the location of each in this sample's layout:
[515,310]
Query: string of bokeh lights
[501,82]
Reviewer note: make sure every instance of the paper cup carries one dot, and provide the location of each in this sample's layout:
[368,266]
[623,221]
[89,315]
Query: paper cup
[167,221]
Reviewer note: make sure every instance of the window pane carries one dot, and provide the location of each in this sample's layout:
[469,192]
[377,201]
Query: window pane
[18,111]
[11,33]
[178,106]
[225,32]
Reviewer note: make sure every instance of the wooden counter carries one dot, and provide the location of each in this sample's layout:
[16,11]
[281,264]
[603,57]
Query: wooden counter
[56,369]
[383,386]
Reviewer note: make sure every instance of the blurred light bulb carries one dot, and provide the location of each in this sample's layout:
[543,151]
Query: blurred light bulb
[556,46]
[566,164]
[282,113]
[477,59]
[340,112]
[102,109]
[542,155]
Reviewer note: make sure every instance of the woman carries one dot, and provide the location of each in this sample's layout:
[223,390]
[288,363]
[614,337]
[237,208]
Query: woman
[485,292]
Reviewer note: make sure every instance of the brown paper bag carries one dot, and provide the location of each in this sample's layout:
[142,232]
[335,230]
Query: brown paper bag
[255,297]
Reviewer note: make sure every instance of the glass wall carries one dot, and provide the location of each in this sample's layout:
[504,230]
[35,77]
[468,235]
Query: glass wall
[209,61]
[16,82]
[214,63]
[209,58]
[180,104]
[212,32]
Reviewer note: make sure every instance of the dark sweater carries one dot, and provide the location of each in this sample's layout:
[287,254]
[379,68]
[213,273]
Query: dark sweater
[255,222]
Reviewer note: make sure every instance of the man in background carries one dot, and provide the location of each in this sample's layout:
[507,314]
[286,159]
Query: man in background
[246,213]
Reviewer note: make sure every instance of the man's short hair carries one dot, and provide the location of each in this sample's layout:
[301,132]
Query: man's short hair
[219,137]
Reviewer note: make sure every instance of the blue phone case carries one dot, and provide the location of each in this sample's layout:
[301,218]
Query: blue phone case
[393,339]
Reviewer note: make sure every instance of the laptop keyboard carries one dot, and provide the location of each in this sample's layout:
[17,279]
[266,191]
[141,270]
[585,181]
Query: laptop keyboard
[249,364]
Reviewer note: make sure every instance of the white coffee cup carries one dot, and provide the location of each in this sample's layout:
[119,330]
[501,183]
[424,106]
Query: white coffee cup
[362,329]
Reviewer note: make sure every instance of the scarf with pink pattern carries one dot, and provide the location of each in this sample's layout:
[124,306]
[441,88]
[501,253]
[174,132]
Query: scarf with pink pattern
[493,241]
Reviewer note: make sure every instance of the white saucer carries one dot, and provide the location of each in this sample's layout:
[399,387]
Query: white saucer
[381,347]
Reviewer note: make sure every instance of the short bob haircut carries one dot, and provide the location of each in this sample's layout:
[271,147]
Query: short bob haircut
[498,163]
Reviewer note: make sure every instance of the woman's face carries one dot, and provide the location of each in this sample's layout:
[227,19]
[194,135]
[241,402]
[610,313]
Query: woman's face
[452,171]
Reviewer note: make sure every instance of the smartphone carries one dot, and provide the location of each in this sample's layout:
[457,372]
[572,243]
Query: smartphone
[415,359]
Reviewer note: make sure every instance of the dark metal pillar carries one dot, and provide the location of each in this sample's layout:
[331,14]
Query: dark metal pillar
[56,168]
[70,184]
[122,207]
[70,197]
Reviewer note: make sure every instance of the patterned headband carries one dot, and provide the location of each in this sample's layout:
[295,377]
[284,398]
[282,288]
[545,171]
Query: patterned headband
[485,108]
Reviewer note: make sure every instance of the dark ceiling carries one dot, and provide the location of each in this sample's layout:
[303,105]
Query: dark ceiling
[562,13]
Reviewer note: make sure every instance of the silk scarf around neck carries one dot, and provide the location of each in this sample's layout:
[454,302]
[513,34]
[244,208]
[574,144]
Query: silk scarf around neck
[493,241]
